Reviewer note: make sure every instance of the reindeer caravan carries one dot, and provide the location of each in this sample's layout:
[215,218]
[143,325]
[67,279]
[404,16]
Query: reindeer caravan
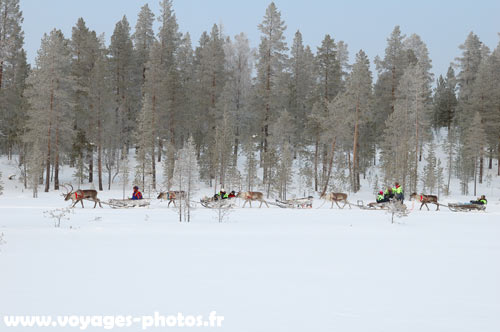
[225,200]
[90,194]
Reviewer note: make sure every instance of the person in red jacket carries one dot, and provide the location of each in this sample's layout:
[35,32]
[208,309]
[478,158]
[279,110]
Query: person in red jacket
[137,194]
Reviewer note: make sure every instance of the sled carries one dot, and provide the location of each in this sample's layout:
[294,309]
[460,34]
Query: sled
[394,205]
[373,205]
[296,203]
[211,203]
[127,203]
[466,207]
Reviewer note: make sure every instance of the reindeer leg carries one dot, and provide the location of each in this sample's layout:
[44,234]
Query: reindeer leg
[74,204]
[437,204]
[244,203]
[95,203]
[337,204]
[260,204]
[421,206]
[427,206]
[81,201]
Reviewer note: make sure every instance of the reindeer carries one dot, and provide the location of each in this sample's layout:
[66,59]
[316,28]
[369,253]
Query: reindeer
[171,196]
[249,196]
[424,199]
[335,198]
[80,195]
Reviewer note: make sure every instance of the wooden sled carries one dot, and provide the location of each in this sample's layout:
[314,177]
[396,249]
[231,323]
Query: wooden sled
[210,203]
[466,207]
[128,203]
[296,203]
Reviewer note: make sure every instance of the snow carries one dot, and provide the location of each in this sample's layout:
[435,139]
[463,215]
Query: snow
[264,269]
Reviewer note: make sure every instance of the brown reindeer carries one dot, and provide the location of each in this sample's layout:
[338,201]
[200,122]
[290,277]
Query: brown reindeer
[80,195]
[335,198]
[249,196]
[424,199]
[171,196]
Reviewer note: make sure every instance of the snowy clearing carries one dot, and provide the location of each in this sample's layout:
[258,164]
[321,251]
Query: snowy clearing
[263,269]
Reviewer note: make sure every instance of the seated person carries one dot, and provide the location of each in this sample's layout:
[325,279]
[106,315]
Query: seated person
[216,197]
[223,194]
[232,194]
[397,191]
[481,200]
[388,193]
[381,198]
[137,194]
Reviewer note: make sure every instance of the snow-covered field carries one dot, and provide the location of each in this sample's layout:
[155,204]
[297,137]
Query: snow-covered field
[263,269]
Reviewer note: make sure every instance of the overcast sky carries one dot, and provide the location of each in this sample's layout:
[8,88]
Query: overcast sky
[362,24]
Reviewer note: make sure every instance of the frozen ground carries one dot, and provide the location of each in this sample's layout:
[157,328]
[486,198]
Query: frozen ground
[263,269]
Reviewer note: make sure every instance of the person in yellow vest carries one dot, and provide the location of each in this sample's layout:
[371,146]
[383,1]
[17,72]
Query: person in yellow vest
[397,191]
[388,193]
[481,200]
[381,198]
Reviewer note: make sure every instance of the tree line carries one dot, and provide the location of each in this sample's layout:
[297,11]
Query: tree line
[296,117]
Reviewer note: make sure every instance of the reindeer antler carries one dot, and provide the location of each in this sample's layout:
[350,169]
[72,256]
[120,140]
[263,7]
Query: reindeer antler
[68,191]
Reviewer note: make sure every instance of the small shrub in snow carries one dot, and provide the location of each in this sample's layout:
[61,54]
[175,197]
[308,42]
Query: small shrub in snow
[2,241]
[1,184]
[58,215]
[222,212]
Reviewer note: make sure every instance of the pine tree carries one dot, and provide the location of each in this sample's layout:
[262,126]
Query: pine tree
[143,39]
[301,87]
[390,70]
[471,150]
[126,93]
[170,39]
[445,100]
[101,101]
[329,69]
[13,73]
[359,99]
[49,94]
[270,66]
[148,129]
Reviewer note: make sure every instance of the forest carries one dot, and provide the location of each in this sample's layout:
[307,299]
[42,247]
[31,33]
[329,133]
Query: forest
[274,118]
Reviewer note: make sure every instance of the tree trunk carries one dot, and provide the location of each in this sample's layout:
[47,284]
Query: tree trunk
[316,152]
[327,180]
[498,158]
[153,142]
[355,152]
[90,152]
[56,160]
[481,167]
[475,176]
[49,134]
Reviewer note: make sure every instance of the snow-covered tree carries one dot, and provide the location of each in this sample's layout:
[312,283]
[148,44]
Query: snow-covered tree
[186,178]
